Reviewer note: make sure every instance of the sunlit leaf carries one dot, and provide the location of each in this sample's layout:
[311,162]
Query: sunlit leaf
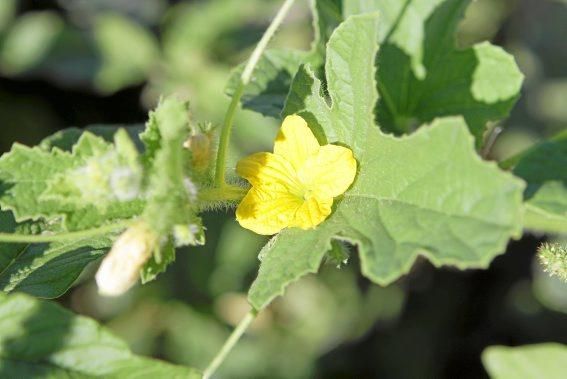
[426,194]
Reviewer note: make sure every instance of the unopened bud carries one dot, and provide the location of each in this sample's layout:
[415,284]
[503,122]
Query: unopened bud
[553,258]
[201,150]
[120,269]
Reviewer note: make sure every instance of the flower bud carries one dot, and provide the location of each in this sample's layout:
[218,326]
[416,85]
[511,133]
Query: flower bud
[201,149]
[120,269]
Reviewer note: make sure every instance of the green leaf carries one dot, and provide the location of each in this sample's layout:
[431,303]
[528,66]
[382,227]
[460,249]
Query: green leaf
[7,13]
[29,40]
[65,139]
[37,183]
[44,270]
[171,209]
[426,194]
[327,15]
[42,339]
[543,167]
[158,262]
[49,270]
[113,174]
[128,51]
[421,75]
[172,194]
[267,91]
[546,360]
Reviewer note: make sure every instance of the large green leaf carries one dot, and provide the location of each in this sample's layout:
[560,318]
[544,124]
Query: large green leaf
[272,77]
[421,75]
[83,186]
[544,168]
[41,339]
[426,194]
[547,360]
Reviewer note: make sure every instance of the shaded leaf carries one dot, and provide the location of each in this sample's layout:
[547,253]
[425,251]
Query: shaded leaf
[543,167]
[421,75]
[44,270]
[267,91]
[41,339]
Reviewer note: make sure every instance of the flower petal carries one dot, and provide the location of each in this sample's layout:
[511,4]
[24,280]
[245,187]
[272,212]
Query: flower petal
[265,169]
[295,141]
[330,172]
[267,211]
[312,212]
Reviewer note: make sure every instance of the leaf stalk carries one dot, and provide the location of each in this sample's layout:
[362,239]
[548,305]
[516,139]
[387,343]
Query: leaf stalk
[230,343]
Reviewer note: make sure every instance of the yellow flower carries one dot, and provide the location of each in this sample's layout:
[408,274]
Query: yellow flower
[294,186]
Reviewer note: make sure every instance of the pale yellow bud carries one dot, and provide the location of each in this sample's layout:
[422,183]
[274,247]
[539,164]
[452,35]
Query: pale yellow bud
[120,269]
[201,149]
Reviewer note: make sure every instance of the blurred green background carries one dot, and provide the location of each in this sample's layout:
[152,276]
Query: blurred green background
[82,62]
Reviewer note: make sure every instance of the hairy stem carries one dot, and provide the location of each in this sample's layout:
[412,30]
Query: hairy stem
[229,344]
[245,77]
[226,193]
[46,238]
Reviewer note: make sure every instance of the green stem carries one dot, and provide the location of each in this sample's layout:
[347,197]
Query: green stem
[226,193]
[245,77]
[229,344]
[46,238]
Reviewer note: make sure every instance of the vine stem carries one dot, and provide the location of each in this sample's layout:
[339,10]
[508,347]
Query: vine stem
[227,193]
[245,77]
[46,238]
[229,344]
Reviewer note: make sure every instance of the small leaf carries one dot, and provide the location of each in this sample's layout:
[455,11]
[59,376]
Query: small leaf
[171,209]
[546,360]
[41,339]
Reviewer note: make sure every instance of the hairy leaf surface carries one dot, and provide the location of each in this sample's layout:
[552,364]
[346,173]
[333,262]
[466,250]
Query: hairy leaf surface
[171,199]
[425,194]
[76,185]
